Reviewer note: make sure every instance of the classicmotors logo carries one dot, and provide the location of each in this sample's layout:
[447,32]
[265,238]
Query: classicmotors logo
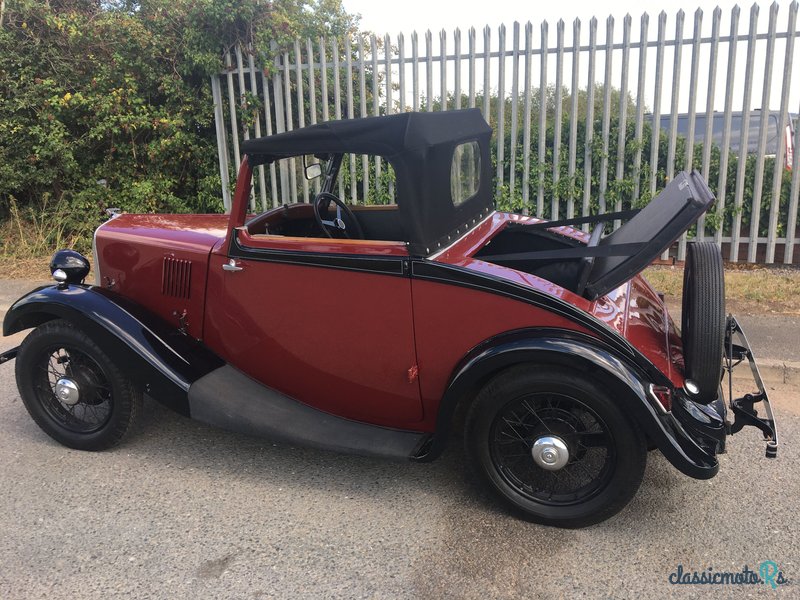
[767,573]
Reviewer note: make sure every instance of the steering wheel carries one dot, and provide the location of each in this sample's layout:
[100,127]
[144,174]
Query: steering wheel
[336,227]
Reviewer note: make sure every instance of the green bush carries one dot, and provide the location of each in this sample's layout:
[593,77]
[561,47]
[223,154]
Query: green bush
[108,103]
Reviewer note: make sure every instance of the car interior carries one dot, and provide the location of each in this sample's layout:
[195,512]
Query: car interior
[378,222]
[319,218]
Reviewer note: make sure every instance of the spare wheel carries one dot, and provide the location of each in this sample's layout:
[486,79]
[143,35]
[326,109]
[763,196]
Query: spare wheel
[703,318]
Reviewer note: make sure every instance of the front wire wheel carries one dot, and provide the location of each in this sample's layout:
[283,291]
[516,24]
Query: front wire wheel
[554,446]
[72,390]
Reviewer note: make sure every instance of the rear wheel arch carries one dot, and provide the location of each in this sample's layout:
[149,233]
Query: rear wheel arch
[537,349]
[535,362]
[543,360]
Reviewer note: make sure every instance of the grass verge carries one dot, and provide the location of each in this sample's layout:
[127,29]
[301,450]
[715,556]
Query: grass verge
[747,288]
[29,236]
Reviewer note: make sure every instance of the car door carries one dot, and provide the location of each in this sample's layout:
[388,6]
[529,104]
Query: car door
[327,322]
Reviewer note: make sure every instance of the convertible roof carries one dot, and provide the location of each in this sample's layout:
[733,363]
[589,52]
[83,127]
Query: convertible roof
[420,148]
[387,136]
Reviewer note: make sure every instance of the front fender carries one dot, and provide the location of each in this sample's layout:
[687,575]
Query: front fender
[585,354]
[157,357]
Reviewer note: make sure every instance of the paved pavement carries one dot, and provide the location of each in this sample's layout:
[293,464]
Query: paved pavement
[185,511]
[772,336]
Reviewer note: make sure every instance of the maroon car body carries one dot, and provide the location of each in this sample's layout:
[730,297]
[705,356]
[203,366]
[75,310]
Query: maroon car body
[280,324]
[226,311]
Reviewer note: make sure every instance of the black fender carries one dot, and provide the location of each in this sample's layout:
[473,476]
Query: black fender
[584,354]
[156,356]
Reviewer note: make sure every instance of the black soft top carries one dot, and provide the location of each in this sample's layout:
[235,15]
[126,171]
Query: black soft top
[420,147]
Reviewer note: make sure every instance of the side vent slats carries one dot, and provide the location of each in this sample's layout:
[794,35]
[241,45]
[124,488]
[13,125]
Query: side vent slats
[176,277]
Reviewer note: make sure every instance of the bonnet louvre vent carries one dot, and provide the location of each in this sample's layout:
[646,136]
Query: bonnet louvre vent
[176,277]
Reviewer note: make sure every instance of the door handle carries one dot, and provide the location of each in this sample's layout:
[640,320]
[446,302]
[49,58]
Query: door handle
[231,266]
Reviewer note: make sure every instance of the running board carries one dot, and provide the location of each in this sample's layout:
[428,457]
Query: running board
[229,399]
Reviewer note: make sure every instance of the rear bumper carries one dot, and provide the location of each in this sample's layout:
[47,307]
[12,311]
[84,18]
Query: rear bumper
[683,447]
[737,350]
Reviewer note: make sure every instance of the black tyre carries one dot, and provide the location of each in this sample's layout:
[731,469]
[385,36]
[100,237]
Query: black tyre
[554,446]
[72,390]
[703,318]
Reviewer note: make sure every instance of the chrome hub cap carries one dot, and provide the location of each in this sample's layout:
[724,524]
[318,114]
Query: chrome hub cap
[67,392]
[550,452]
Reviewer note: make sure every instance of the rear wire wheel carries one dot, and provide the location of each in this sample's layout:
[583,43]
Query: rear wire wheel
[73,390]
[554,446]
[703,318]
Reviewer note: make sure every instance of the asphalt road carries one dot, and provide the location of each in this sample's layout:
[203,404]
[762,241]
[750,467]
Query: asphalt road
[185,511]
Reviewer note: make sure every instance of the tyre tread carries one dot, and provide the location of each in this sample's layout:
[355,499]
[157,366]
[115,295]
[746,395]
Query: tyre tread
[703,318]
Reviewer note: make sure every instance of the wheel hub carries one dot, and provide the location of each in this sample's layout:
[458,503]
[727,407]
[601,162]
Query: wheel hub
[550,452]
[66,390]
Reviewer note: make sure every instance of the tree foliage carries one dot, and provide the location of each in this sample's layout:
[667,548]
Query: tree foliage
[108,103]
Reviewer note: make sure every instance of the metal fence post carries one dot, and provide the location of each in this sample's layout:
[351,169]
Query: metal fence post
[614,169]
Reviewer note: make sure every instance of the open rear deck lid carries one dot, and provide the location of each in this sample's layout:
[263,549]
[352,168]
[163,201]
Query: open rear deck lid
[653,230]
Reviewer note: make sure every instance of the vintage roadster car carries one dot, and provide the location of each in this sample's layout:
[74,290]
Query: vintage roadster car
[373,329]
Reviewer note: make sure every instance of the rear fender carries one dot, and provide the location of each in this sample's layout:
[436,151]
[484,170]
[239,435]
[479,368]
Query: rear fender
[583,354]
[160,359]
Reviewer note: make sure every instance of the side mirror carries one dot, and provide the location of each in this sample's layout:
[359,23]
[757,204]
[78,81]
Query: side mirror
[313,171]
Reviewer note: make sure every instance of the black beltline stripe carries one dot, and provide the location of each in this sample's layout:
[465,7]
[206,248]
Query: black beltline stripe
[349,262]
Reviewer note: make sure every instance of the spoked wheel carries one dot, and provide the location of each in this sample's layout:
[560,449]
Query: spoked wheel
[72,389]
[555,447]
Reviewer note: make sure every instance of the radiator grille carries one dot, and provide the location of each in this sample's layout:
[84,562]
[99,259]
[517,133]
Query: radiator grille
[176,277]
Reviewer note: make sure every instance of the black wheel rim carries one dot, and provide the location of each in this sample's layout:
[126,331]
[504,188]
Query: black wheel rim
[92,410]
[522,421]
